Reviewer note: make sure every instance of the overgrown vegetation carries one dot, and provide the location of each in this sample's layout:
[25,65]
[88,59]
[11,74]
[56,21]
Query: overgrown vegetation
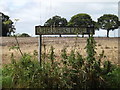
[73,71]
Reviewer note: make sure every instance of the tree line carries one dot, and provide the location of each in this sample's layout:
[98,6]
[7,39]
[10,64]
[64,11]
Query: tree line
[107,22]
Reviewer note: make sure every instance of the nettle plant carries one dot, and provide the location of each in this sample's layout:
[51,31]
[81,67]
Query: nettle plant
[86,72]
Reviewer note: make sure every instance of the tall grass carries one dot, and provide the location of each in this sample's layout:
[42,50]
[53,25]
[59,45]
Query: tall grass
[72,72]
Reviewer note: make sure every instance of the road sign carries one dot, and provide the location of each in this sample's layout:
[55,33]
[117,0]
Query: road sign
[44,30]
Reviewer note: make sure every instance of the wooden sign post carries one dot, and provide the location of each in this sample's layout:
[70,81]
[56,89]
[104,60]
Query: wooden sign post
[40,49]
[45,30]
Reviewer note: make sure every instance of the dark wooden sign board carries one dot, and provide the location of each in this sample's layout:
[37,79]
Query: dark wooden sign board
[45,30]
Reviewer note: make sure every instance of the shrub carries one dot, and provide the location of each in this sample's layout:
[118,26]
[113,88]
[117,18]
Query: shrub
[24,35]
[113,78]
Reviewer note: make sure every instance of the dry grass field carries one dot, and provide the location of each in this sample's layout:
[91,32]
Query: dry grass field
[29,44]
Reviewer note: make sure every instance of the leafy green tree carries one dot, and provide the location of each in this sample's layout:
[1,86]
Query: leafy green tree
[24,35]
[82,20]
[108,22]
[56,21]
[7,26]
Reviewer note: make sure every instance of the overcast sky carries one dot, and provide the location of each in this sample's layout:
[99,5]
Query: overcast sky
[35,12]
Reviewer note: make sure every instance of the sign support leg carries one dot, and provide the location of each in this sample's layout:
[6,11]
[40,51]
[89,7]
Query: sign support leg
[40,50]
